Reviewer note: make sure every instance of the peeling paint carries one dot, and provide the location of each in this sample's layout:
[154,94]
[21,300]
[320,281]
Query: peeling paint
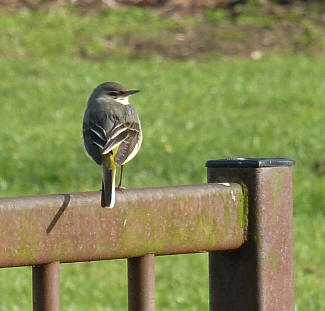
[233,196]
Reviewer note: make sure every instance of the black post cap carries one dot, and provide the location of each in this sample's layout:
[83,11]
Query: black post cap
[250,162]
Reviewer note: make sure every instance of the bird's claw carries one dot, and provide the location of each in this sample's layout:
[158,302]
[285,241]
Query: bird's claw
[120,188]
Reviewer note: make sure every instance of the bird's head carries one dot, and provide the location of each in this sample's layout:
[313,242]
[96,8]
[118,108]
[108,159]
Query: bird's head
[114,91]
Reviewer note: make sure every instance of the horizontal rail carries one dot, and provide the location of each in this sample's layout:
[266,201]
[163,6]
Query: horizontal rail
[73,227]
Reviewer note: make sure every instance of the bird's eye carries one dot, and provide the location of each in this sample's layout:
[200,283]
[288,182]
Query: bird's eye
[113,93]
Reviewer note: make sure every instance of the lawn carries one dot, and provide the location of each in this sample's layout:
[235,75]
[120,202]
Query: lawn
[191,111]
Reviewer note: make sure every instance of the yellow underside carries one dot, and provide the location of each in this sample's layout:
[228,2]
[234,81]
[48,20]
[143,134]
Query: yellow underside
[109,159]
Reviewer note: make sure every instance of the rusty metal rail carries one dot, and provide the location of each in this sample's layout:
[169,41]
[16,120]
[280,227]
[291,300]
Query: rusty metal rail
[250,267]
[161,221]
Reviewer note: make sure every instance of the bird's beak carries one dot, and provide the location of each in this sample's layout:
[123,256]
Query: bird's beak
[130,92]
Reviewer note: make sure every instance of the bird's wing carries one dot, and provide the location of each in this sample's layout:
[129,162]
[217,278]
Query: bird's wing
[96,127]
[120,134]
[129,144]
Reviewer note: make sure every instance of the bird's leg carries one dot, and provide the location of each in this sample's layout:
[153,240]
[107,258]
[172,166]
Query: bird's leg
[119,187]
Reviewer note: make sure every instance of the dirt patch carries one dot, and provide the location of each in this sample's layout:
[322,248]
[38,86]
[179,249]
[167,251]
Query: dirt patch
[231,39]
[225,40]
[237,31]
[186,6]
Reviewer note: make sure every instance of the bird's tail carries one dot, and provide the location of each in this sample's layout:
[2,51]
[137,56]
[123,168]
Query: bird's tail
[108,185]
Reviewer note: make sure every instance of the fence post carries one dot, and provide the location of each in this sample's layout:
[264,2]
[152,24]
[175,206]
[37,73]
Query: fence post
[46,287]
[141,283]
[259,275]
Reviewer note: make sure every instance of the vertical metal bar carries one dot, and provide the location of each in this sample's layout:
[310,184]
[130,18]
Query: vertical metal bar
[46,287]
[259,275]
[141,283]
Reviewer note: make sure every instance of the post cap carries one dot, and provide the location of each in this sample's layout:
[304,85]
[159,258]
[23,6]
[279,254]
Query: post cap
[250,162]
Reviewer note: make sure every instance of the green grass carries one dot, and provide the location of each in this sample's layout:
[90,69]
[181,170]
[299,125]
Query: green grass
[63,31]
[191,112]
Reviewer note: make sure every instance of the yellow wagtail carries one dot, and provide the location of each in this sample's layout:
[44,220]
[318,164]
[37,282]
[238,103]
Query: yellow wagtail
[112,133]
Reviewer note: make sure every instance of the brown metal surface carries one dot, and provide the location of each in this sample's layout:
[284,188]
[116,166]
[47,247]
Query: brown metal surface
[259,275]
[161,221]
[46,287]
[141,283]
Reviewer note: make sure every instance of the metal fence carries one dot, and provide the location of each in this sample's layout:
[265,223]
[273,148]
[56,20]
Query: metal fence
[242,217]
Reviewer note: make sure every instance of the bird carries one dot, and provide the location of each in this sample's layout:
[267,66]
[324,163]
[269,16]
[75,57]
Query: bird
[112,134]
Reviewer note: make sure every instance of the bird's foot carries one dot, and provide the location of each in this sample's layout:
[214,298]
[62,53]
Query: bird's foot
[120,188]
